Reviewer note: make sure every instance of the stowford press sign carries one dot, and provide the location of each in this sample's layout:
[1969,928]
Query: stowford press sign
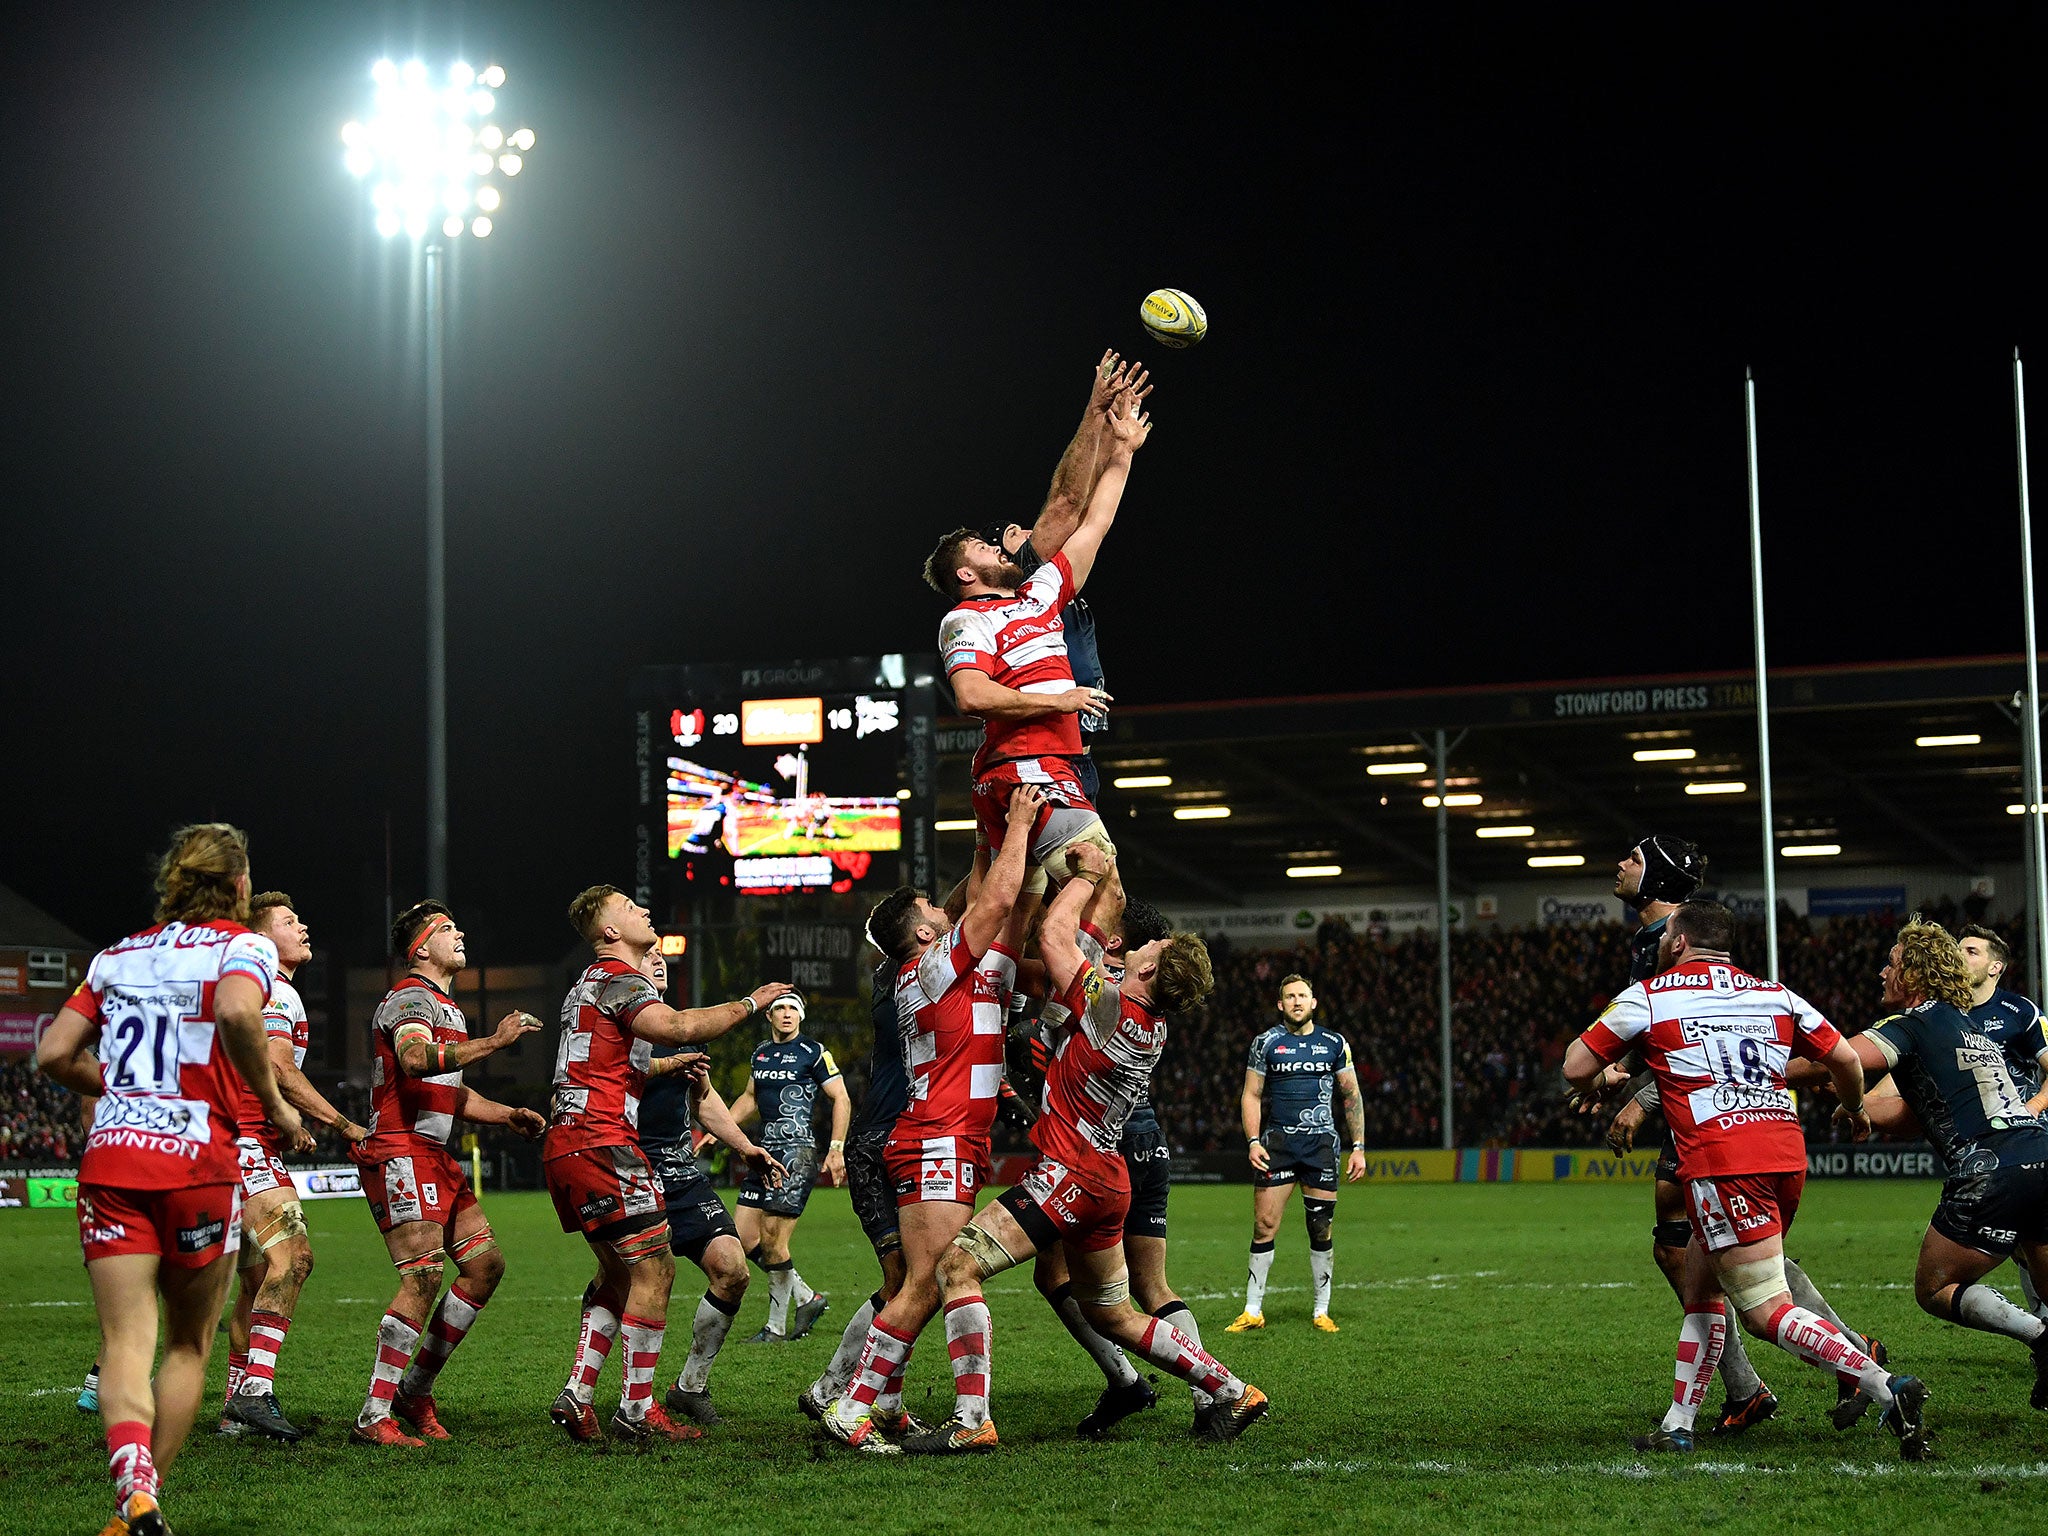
[1631,701]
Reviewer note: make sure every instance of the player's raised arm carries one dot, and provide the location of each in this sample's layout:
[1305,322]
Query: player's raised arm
[1059,942]
[689,1026]
[1073,481]
[1129,426]
[419,1056]
[990,909]
[982,696]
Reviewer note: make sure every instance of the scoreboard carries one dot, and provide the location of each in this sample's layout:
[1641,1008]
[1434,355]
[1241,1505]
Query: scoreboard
[782,778]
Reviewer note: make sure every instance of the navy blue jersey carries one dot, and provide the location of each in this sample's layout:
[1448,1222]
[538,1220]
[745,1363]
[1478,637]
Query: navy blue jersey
[888,1084]
[1301,1077]
[665,1106]
[1956,1082]
[2014,1023]
[1143,1120]
[787,1077]
[1642,949]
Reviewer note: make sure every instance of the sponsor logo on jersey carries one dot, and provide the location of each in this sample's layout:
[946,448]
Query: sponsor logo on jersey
[1696,1030]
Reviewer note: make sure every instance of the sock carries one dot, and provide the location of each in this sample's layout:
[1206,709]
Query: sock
[707,1335]
[837,1374]
[1116,1367]
[889,1401]
[582,1342]
[1808,1295]
[643,1353]
[1176,1313]
[778,1295]
[1255,1284]
[600,1327]
[1700,1338]
[1819,1342]
[1321,1263]
[754,1257]
[1980,1307]
[395,1340]
[266,1338]
[1170,1349]
[129,1461]
[883,1358]
[238,1367]
[2027,1289]
[1737,1374]
[451,1323]
[967,1336]
[799,1288]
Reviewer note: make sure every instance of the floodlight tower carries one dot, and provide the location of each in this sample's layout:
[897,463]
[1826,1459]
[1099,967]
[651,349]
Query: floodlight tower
[435,160]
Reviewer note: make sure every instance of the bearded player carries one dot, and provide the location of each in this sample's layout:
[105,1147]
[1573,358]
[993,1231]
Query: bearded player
[418,1193]
[1005,654]
[1078,1192]
[953,983]
[602,1183]
[276,1254]
[162,1021]
[1720,1041]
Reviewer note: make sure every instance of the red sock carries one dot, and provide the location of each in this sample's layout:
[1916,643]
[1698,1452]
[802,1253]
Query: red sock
[266,1338]
[238,1367]
[129,1461]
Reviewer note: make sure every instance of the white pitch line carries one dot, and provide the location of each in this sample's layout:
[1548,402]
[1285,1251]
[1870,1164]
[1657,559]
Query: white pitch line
[1639,1471]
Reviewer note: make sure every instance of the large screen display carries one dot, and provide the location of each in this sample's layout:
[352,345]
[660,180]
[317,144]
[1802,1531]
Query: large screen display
[786,793]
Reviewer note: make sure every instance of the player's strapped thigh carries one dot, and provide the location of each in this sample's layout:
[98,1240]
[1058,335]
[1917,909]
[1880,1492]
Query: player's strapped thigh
[267,1221]
[1099,1277]
[1065,829]
[474,1246]
[986,1241]
[638,1246]
[1749,1283]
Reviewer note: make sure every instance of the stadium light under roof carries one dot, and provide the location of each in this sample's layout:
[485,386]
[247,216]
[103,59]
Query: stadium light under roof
[1717,787]
[1313,871]
[1454,801]
[1388,770]
[1964,739]
[1810,850]
[962,824]
[1556,860]
[1201,813]
[1517,830]
[1143,781]
[1665,754]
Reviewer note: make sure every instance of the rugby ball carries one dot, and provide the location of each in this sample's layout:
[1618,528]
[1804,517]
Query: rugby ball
[1173,318]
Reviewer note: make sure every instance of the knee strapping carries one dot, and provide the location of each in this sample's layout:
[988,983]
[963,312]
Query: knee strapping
[286,1222]
[1319,1214]
[754,1255]
[990,1256]
[1751,1285]
[651,1243]
[478,1242]
[1671,1234]
[426,1265]
[1113,1292]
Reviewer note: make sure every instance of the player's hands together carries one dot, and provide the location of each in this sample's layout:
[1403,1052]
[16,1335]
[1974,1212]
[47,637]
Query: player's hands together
[1354,1165]
[1129,424]
[530,1123]
[767,992]
[1093,702]
[1857,1120]
[1261,1160]
[1113,377]
[762,1164]
[1621,1135]
[514,1026]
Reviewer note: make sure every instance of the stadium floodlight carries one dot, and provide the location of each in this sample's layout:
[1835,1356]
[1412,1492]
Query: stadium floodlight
[1389,770]
[2021,809]
[1556,860]
[963,824]
[1454,801]
[1809,850]
[1717,787]
[1967,739]
[1143,781]
[1313,871]
[1664,755]
[1514,831]
[1201,812]
[428,151]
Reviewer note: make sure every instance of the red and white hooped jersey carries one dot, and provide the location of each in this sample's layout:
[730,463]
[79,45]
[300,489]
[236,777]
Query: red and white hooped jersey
[600,1064]
[168,1117]
[1019,639]
[405,1111]
[950,1009]
[284,1018]
[1103,1053]
[1718,1040]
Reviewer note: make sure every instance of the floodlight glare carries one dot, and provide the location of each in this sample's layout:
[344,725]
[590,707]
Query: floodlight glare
[510,164]
[461,75]
[481,102]
[384,72]
[416,226]
[523,139]
[451,226]
[493,77]
[481,164]
[424,149]
[491,136]
[487,199]
[359,162]
[414,73]
[387,224]
[480,226]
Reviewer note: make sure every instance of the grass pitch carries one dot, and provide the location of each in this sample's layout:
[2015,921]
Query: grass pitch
[1499,1345]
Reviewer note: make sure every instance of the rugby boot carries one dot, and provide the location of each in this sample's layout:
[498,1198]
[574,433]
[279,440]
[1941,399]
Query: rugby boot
[231,1427]
[138,1515]
[578,1420]
[651,1428]
[384,1431]
[89,1393]
[1322,1321]
[2038,1398]
[952,1438]
[1906,1417]
[1246,1322]
[1114,1406]
[694,1406]
[1740,1413]
[1223,1420]
[418,1411]
[767,1335]
[805,1317]
[863,1435]
[1851,1402]
[807,1403]
[258,1411]
[1677,1442]
[899,1423]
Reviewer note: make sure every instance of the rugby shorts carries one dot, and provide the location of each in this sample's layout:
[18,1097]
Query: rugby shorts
[262,1169]
[605,1193]
[186,1228]
[1306,1158]
[952,1169]
[1149,1162]
[1067,813]
[426,1184]
[1733,1209]
[1994,1209]
[800,1159]
[695,1213]
[1086,1214]
[874,1196]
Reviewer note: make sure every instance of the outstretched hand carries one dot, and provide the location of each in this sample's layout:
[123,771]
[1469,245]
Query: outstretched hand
[1129,423]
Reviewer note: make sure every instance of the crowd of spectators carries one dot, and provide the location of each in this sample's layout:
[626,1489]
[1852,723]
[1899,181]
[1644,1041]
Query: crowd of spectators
[1518,995]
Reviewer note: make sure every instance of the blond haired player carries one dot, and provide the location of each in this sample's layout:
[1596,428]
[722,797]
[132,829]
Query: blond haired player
[277,1253]
[418,1193]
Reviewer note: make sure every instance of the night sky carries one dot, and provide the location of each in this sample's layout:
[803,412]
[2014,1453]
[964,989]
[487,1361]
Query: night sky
[787,290]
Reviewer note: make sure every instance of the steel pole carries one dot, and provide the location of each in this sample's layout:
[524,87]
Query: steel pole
[437,584]
[1443,932]
[1763,696]
[2038,895]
